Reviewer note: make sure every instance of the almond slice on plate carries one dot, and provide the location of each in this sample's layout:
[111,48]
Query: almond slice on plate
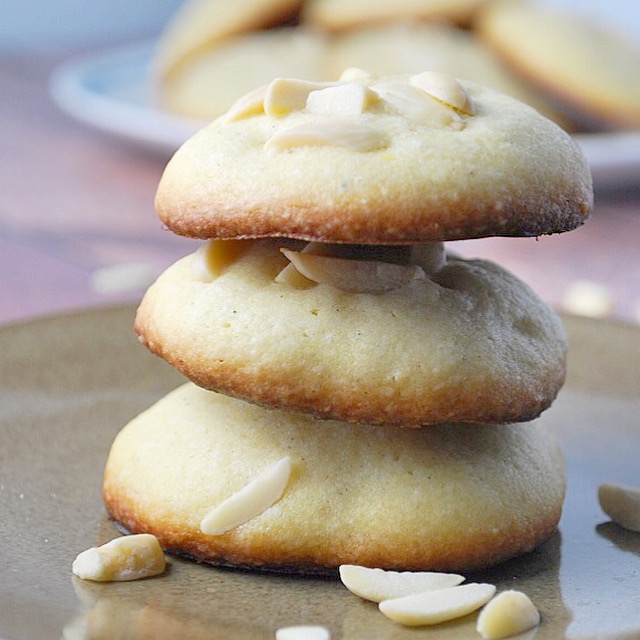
[378,585]
[303,632]
[508,614]
[127,558]
[621,504]
[441,605]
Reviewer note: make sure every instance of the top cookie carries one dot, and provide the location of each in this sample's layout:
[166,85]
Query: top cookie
[395,159]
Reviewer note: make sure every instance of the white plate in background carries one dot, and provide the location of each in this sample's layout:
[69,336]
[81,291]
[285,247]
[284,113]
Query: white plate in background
[111,90]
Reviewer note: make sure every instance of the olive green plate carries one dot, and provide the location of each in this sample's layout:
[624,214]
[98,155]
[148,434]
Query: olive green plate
[69,383]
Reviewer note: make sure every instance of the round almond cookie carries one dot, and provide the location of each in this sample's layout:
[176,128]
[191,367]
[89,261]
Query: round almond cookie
[229,483]
[369,160]
[589,68]
[341,333]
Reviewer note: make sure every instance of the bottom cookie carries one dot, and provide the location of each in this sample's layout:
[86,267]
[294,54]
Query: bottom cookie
[230,483]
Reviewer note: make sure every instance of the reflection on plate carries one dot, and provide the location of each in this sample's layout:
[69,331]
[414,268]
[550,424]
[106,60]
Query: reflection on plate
[111,91]
[69,383]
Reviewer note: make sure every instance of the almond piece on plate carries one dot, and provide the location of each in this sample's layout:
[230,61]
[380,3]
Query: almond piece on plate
[127,558]
[303,632]
[508,614]
[378,585]
[441,605]
[621,504]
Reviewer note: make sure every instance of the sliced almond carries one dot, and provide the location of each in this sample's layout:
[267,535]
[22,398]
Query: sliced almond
[293,278]
[123,559]
[352,74]
[508,614]
[250,501]
[350,98]
[250,104]
[446,89]
[303,632]
[418,106]
[433,607]
[284,95]
[214,256]
[621,504]
[357,137]
[358,276]
[378,585]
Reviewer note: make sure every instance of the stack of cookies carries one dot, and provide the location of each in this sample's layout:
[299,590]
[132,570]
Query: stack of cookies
[357,393]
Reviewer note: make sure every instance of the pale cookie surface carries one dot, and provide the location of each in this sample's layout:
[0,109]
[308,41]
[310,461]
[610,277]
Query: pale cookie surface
[471,343]
[588,67]
[448,498]
[376,161]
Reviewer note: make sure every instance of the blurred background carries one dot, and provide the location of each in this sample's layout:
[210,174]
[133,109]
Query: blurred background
[36,24]
[95,96]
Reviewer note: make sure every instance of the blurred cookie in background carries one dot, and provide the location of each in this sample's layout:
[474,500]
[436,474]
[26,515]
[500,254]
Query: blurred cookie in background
[589,68]
[555,55]
[201,24]
[209,83]
[412,47]
[338,15]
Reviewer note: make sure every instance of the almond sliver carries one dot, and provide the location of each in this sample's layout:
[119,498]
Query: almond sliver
[621,504]
[348,135]
[250,501]
[356,276]
[378,585]
[434,607]
[510,613]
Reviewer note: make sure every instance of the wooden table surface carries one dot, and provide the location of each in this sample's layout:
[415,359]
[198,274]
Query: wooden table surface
[76,210]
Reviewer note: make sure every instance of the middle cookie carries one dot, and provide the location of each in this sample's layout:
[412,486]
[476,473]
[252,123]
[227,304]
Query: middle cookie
[377,335]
